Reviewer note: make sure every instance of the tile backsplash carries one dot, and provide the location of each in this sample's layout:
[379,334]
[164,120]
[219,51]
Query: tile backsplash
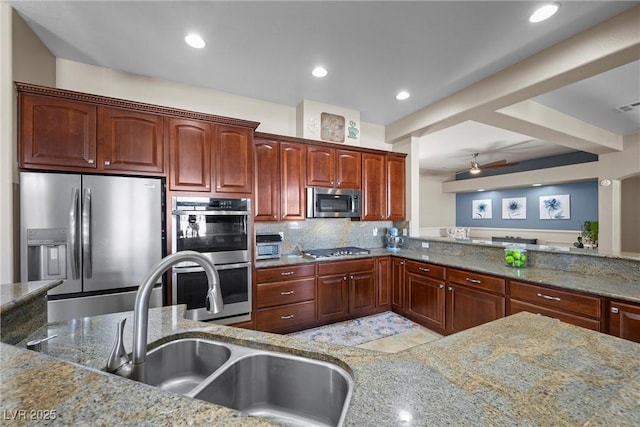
[326,233]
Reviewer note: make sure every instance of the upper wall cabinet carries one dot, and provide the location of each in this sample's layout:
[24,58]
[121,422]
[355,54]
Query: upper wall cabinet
[383,187]
[189,154]
[331,167]
[234,160]
[396,187]
[130,140]
[56,133]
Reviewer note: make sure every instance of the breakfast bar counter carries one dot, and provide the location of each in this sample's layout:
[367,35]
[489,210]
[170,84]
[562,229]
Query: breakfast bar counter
[520,370]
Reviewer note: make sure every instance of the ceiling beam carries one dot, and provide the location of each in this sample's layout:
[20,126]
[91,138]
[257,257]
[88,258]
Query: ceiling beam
[539,121]
[608,45]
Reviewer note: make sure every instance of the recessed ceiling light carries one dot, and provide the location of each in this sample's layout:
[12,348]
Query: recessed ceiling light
[402,95]
[319,72]
[536,185]
[544,12]
[195,41]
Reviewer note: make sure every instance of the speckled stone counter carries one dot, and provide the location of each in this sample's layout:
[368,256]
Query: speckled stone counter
[623,286]
[520,370]
[23,308]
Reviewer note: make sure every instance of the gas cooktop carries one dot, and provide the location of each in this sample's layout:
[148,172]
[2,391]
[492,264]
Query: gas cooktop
[335,252]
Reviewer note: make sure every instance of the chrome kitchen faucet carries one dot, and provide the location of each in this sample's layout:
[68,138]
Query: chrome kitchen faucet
[119,362]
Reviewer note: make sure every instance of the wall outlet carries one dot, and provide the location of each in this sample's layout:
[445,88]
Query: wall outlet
[281,233]
[425,245]
[375,231]
[405,232]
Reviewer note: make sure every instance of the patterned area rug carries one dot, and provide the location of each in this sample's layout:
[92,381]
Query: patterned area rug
[359,331]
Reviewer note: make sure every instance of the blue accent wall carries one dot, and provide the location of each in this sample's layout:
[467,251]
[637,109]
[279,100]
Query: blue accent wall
[583,198]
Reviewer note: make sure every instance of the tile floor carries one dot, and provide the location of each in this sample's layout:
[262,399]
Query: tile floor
[403,341]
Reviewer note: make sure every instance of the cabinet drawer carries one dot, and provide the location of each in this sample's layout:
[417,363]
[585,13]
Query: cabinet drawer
[516,306]
[476,280]
[289,317]
[287,292]
[343,267]
[279,274]
[424,269]
[553,298]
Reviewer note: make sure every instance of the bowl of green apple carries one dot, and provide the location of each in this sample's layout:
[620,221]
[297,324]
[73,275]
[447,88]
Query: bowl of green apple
[515,257]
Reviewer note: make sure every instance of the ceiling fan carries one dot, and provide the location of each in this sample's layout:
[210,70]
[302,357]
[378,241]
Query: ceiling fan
[476,168]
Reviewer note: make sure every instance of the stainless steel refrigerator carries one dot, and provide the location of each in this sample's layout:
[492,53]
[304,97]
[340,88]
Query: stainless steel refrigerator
[100,234]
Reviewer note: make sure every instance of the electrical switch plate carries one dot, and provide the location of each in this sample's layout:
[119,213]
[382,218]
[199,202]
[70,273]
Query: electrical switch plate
[425,245]
[375,231]
[404,232]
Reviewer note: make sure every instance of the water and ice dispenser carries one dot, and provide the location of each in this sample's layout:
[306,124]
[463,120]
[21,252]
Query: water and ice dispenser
[46,253]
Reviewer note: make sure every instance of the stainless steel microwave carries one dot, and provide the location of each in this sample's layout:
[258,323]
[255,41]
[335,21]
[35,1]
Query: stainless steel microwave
[333,203]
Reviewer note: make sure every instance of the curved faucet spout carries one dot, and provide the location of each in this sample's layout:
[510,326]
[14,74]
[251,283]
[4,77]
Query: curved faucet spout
[214,304]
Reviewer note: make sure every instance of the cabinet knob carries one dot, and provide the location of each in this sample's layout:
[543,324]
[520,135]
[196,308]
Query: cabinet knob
[345,278]
[441,286]
[351,277]
[615,310]
[90,161]
[449,288]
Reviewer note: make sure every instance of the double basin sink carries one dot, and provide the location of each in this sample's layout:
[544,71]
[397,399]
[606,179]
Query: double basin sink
[282,387]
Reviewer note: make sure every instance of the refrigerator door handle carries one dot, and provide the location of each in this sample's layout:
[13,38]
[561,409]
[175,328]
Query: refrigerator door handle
[73,234]
[86,233]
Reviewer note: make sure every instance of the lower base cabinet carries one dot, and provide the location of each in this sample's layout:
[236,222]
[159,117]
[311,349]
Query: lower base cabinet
[288,318]
[425,294]
[467,307]
[624,320]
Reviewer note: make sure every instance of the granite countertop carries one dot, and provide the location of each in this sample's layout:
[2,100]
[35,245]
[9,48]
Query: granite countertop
[613,286]
[520,370]
[14,295]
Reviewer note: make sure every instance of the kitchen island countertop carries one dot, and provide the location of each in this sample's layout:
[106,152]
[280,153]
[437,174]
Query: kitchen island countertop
[520,370]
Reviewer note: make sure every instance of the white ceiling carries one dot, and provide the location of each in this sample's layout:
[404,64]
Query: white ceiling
[266,50]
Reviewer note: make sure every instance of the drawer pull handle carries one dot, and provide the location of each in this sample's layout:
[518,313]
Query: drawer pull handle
[424,269]
[287,317]
[468,279]
[286,293]
[287,273]
[615,310]
[548,297]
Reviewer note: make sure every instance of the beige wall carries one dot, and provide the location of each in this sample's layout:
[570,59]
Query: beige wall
[23,58]
[437,209]
[630,214]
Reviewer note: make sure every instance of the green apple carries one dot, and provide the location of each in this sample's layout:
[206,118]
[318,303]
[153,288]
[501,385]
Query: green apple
[509,260]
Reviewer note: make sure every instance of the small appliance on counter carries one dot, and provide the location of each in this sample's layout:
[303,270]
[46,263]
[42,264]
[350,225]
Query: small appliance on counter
[268,246]
[394,241]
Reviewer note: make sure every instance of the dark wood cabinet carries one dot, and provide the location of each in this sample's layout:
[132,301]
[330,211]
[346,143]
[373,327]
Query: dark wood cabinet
[570,307]
[472,299]
[396,188]
[384,283]
[346,288]
[267,180]
[331,167]
[189,154]
[130,141]
[292,181]
[397,284]
[285,298]
[374,203]
[624,320]
[233,160]
[425,294]
[57,133]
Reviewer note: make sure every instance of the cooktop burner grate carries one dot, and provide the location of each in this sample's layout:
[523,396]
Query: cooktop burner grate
[335,252]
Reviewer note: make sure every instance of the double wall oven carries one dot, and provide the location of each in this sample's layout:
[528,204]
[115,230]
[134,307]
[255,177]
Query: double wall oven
[219,229]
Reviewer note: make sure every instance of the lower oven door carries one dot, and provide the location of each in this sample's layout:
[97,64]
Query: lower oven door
[190,287]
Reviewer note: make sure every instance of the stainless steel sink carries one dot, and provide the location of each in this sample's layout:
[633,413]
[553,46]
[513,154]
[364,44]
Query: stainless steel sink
[285,388]
[288,389]
[179,366]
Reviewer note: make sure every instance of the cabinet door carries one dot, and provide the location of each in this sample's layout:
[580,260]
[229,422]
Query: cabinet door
[362,293]
[233,160]
[189,155]
[267,180]
[467,307]
[397,280]
[320,166]
[516,306]
[55,132]
[333,297]
[624,320]
[130,140]
[348,169]
[374,204]
[384,284]
[292,181]
[396,193]
[425,300]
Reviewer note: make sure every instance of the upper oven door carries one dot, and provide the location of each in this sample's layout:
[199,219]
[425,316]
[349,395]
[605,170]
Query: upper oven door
[223,236]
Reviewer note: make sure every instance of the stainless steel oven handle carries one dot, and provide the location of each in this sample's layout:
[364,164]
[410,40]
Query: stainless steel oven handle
[223,213]
[220,267]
